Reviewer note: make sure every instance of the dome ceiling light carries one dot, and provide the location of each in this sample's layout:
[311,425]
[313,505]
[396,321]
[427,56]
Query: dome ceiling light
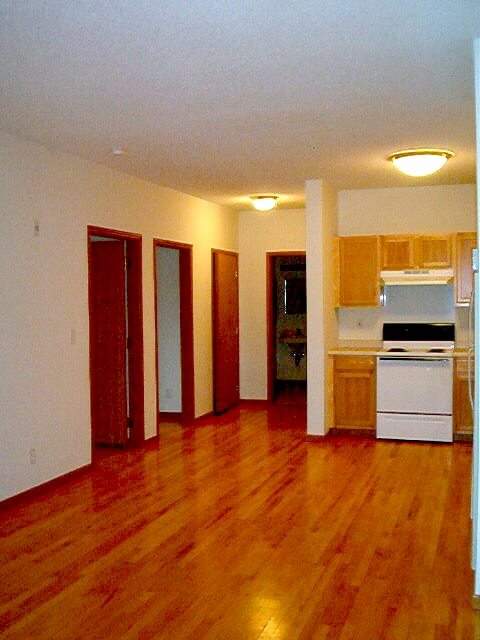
[420,162]
[264,203]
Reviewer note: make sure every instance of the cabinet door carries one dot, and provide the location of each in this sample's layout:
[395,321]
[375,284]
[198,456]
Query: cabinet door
[359,261]
[398,252]
[354,392]
[462,411]
[434,252]
[464,245]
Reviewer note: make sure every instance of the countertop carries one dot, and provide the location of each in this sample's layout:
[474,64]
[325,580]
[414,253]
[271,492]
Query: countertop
[372,348]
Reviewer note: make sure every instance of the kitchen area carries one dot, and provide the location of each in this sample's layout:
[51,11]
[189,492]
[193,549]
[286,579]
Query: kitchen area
[402,368]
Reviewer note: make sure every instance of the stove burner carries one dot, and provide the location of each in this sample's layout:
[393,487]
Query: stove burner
[397,349]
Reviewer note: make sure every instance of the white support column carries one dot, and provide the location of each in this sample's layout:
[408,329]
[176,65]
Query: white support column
[315,310]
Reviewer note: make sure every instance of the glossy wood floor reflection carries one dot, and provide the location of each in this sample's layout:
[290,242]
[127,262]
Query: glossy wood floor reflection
[240,529]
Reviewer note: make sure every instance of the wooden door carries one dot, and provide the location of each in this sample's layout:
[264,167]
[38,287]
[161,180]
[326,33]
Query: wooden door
[109,342]
[225,331]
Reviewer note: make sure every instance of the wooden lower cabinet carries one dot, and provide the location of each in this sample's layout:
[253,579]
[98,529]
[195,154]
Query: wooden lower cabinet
[462,412]
[354,392]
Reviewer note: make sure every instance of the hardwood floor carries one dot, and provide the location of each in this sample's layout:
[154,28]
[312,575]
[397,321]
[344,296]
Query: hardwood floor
[240,529]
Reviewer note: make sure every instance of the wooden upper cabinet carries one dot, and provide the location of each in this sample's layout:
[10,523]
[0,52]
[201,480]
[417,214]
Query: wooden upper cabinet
[398,252]
[434,252]
[464,245]
[416,252]
[358,271]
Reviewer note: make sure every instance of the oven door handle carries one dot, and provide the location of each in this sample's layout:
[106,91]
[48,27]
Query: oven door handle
[415,359]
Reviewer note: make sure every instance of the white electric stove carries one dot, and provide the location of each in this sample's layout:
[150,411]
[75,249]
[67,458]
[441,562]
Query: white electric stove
[415,382]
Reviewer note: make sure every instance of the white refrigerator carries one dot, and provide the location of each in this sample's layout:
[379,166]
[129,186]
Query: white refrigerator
[476,354]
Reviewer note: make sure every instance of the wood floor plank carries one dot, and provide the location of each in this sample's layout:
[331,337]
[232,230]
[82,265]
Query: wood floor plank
[240,529]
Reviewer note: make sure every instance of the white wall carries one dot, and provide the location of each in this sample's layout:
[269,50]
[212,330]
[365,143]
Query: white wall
[280,230]
[168,325]
[440,209]
[44,395]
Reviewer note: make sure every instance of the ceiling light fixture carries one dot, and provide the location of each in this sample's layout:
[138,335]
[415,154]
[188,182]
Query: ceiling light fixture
[420,162]
[264,203]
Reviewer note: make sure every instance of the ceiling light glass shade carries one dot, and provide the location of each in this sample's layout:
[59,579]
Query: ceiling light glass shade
[264,203]
[420,162]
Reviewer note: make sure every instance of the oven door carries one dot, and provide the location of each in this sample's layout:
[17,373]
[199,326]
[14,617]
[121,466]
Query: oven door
[416,385]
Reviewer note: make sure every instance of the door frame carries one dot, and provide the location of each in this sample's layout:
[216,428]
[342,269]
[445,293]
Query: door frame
[271,333]
[214,328]
[135,329]
[185,252]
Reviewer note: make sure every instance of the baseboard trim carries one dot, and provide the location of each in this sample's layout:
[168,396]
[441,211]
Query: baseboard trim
[29,494]
[463,437]
[176,416]
[313,437]
[347,431]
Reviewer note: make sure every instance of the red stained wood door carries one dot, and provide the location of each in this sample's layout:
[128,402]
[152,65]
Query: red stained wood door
[109,342]
[225,330]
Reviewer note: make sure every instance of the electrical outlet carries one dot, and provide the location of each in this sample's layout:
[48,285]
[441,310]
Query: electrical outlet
[33,456]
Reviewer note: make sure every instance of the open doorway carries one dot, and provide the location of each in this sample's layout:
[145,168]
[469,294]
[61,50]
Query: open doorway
[116,339]
[174,331]
[287,327]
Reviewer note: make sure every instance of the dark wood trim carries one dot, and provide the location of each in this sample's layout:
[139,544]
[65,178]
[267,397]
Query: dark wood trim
[185,252]
[28,495]
[172,244]
[135,323]
[271,346]
[116,234]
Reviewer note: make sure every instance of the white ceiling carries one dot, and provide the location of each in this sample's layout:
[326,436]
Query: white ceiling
[226,98]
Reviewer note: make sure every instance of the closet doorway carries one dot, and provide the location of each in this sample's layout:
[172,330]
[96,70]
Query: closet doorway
[287,327]
[116,338]
[174,331]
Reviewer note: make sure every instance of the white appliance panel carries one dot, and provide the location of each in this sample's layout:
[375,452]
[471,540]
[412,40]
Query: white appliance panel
[400,426]
[414,386]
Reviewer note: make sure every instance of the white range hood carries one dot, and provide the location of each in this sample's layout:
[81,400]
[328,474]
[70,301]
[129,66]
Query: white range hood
[417,276]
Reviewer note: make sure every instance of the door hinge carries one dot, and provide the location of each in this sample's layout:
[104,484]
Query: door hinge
[236,275]
[129,423]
